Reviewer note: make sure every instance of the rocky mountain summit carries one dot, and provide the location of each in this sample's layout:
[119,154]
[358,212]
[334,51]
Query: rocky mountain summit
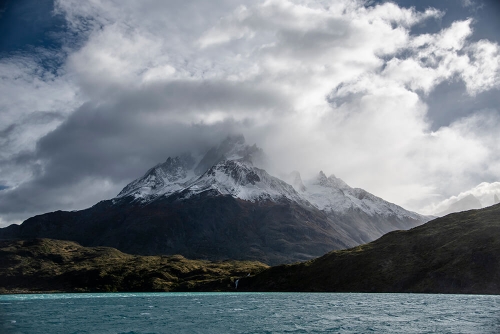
[222,206]
[181,172]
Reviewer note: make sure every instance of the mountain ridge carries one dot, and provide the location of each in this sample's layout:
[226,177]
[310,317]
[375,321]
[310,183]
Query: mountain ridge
[458,253]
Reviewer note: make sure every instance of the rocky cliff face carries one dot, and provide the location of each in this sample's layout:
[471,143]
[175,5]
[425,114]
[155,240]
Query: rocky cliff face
[221,206]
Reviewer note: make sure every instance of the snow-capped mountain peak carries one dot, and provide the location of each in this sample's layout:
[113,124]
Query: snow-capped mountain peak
[332,194]
[227,168]
[240,179]
[165,177]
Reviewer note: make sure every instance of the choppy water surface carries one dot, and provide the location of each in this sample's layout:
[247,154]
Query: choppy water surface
[249,313]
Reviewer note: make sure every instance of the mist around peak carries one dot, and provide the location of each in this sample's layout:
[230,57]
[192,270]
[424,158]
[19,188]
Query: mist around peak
[233,147]
[295,180]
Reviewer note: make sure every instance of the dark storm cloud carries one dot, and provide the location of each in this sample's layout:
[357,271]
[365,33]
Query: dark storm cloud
[7,135]
[91,149]
[183,97]
[119,139]
[7,131]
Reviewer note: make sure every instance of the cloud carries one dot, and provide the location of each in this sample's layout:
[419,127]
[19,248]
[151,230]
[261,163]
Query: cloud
[485,192]
[342,87]
[467,3]
[34,101]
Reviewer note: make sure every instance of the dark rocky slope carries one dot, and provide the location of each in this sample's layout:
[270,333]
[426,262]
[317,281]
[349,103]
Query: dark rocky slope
[458,253]
[41,265]
[204,227]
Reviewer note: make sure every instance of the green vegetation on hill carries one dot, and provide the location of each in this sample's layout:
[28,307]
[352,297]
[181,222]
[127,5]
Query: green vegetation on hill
[57,266]
[458,253]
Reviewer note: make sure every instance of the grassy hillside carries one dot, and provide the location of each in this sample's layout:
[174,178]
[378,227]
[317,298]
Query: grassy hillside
[55,265]
[458,253]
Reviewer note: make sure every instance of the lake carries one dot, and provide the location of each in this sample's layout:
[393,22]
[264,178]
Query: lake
[248,313]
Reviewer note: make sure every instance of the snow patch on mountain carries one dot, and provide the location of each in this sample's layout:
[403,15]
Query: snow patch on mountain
[164,178]
[240,179]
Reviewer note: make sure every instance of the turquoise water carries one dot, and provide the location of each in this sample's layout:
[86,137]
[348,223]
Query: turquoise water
[249,313]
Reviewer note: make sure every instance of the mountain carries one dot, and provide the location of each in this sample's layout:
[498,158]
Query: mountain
[223,206]
[365,216]
[164,178]
[178,173]
[458,253]
[469,202]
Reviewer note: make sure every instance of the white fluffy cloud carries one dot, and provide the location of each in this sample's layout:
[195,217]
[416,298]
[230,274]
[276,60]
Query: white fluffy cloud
[337,86]
[486,193]
[33,102]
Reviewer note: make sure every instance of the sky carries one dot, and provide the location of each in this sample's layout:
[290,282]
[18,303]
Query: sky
[398,98]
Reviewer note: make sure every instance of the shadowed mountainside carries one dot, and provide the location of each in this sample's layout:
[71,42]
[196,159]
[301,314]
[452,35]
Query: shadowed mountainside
[65,266]
[206,227]
[458,253]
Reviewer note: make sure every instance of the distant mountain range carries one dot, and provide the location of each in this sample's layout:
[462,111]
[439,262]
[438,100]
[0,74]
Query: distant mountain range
[222,206]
